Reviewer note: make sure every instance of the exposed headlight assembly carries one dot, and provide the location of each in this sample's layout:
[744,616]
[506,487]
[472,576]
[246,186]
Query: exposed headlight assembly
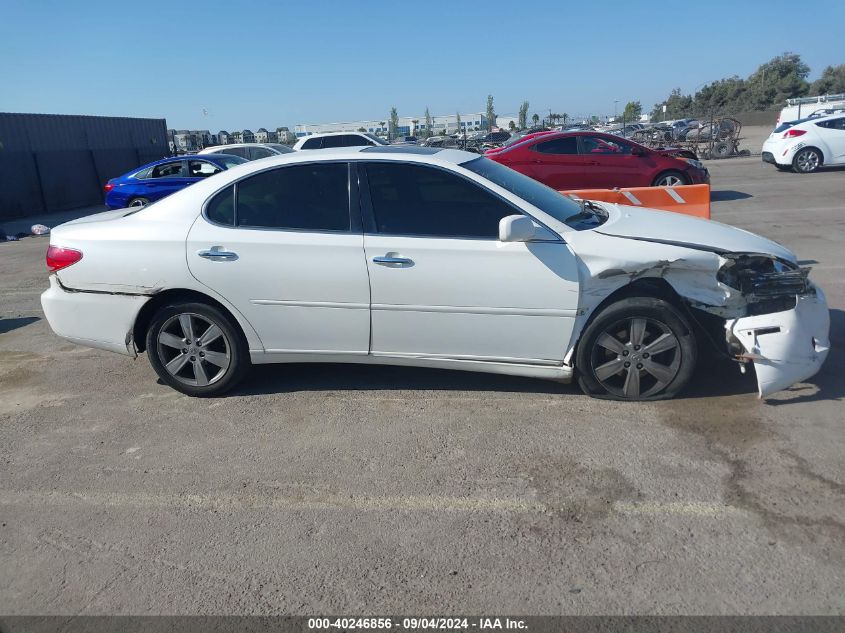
[770,284]
[695,163]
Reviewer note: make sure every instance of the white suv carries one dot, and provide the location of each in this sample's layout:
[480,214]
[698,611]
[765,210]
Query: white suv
[807,144]
[338,139]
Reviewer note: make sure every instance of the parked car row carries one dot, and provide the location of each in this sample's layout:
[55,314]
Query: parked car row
[435,258]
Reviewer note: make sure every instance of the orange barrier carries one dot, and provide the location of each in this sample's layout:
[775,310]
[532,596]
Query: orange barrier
[687,199]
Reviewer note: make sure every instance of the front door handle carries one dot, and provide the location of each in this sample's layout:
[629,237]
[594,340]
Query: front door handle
[388,260]
[218,254]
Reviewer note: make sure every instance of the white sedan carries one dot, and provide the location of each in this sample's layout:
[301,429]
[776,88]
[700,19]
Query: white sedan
[807,144]
[433,258]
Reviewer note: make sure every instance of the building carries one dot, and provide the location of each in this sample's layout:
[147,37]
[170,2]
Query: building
[408,126]
[183,141]
[223,137]
[503,121]
[263,136]
[284,135]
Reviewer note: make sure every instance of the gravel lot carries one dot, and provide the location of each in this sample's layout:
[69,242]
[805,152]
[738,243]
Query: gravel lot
[362,490]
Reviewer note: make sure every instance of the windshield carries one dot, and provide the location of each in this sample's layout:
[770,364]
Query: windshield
[375,139]
[558,206]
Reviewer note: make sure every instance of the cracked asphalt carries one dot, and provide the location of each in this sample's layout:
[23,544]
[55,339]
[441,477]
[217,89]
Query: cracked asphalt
[320,489]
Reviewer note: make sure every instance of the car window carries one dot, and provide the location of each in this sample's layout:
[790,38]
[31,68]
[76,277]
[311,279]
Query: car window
[563,145]
[202,169]
[144,173]
[550,201]
[307,197]
[833,124]
[419,200]
[230,161]
[234,151]
[599,145]
[312,143]
[167,170]
[355,140]
[221,208]
[333,141]
[282,149]
[260,152]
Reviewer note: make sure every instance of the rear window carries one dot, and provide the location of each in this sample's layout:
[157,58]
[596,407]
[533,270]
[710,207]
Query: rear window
[312,143]
[788,124]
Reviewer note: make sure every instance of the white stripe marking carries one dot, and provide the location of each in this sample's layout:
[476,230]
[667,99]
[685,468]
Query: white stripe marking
[675,195]
[634,200]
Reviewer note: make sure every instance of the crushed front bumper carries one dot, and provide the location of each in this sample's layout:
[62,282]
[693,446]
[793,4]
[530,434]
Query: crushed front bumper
[786,347]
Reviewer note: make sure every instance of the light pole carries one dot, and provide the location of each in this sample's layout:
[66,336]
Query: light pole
[615,102]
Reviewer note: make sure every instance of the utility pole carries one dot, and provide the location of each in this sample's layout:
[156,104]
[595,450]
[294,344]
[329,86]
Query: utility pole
[615,102]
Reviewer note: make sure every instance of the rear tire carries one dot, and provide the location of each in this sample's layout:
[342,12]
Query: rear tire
[138,202]
[639,348]
[197,349]
[670,179]
[807,161]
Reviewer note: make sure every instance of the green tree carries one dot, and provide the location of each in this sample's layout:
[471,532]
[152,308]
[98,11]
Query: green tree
[428,123]
[565,117]
[491,113]
[779,79]
[832,81]
[535,118]
[458,120]
[394,123]
[511,125]
[632,111]
[523,115]
[362,129]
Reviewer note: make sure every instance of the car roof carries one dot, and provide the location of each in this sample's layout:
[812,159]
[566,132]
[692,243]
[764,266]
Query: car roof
[216,148]
[322,134]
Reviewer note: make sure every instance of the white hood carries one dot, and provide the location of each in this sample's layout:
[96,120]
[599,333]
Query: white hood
[682,230]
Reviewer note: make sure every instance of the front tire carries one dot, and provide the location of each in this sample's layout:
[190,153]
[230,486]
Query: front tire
[807,160]
[670,179]
[639,348]
[196,349]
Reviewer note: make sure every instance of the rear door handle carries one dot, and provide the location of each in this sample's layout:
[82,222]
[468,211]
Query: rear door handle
[218,254]
[397,261]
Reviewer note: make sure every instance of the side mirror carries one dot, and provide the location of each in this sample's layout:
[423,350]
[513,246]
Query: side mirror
[516,228]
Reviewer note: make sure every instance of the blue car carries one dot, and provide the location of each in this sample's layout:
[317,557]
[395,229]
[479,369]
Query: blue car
[158,180]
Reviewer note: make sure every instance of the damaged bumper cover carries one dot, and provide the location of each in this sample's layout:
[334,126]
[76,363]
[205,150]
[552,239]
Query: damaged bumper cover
[103,320]
[786,347]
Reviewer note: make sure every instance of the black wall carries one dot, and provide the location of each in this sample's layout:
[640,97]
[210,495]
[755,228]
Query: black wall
[55,162]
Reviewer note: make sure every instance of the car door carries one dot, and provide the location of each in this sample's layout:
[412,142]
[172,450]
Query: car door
[610,162]
[281,246]
[555,162]
[442,284]
[833,133]
[164,179]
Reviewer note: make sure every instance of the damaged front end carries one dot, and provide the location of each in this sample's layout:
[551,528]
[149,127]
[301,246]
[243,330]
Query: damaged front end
[785,326]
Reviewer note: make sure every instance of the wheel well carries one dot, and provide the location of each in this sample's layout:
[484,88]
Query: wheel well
[707,327]
[145,316]
[821,153]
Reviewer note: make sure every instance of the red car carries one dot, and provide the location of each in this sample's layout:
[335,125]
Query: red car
[591,160]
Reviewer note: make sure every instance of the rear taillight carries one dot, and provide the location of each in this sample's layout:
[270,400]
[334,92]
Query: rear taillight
[794,133]
[59,257]
[108,187]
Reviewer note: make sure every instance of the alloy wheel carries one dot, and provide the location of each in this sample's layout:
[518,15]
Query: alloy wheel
[194,350]
[807,160]
[669,181]
[636,358]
